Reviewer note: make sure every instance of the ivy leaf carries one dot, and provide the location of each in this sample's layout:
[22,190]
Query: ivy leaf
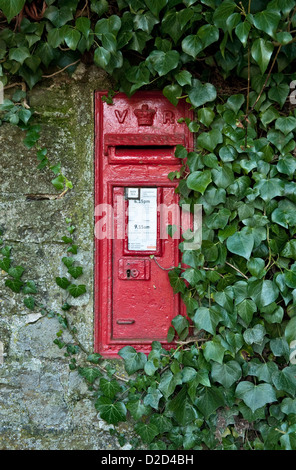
[176,282]
[30,288]
[29,302]
[19,54]
[137,409]
[254,335]
[16,272]
[172,93]
[133,360]
[102,57]
[208,34]
[182,409]
[11,8]
[75,271]
[155,6]
[261,52]
[246,309]
[241,244]
[63,282]
[89,373]
[200,94]
[72,38]
[76,291]
[180,323]
[279,93]
[111,412]
[214,351]
[152,398]
[285,380]
[58,182]
[206,319]
[270,189]
[168,383]
[199,180]
[164,62]
[285,124]
[14,284]
[146,431]
[267,21]
[58,16]
[5,264]
[263,293]
[209,400]
[192,45]
[242,31]
[210,140]
[110,388]
[68,260]
[290,331]
[222,13]
[255,396]
[226,374]
[83,25]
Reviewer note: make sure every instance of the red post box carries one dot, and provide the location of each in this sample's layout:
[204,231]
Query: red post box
[136,139]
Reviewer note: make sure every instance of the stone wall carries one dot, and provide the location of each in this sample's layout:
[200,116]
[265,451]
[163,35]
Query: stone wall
[44,405]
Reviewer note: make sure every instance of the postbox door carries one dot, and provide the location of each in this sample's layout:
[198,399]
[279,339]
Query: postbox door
[143,303]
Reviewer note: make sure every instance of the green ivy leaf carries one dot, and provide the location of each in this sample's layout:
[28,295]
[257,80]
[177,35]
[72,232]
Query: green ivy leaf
[137,409]
[164,62]
[102,57]
[192,45]
[200,94]
[110,388]
[246,309]
[113,413]
[263,293]
[11,8]
[83,25]
[267,21]
[75,271]
[133,360]
[146,431]
[29,302]
[63,282]
[242,31]
[152,398]
[214,351]
[199,180]
[206,319]
[226,374]
[72,38]
[255,396]
[76,291]
[241,244]
[5,264]
[14,284]
[16,272]
[19,54]
[155,6]
[89,373]
[261,52]
[209,400]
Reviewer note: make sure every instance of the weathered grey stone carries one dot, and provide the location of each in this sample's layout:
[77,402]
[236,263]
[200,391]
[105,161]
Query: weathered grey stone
[43,404]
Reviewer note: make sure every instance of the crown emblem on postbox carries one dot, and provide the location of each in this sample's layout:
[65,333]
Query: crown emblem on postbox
[145,115]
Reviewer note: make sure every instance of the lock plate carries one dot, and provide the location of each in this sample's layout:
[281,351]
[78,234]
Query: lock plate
[131,269]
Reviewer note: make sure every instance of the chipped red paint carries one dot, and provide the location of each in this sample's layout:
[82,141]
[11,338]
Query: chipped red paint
[135,144]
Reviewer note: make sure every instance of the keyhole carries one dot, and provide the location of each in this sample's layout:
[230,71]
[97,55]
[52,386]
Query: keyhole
[128,273]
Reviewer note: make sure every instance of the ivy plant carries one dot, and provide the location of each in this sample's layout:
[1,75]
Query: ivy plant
[228,381]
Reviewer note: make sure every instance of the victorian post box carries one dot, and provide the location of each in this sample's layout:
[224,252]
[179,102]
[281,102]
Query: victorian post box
[136,138]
